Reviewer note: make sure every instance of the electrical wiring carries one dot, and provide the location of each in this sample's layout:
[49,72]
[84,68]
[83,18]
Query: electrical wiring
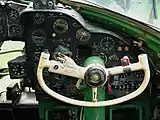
[81,114]
[97,112]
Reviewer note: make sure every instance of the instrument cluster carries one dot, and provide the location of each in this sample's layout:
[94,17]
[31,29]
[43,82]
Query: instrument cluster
[64,33]
[56,32]
[49,30]
[112,50]
[10,27]
[13,20]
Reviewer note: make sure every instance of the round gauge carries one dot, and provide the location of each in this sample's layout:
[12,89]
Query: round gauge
[13,14]
[38,18]
[107,43]
[38,36]
[14,31]
[113,60]
[18,71]
[60,26]
[82,35]
[36,4]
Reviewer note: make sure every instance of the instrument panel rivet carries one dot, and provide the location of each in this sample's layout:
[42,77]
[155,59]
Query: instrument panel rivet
[50,3]
[53,35]
[56,67]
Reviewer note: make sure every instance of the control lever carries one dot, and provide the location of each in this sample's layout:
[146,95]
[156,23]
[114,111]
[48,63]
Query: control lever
[70,68]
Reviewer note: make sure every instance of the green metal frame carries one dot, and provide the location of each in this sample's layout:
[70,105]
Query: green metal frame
[47,106]
[136,107]
[97,113]
[142,105]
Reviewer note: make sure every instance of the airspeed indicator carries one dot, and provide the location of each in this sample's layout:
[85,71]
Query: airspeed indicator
[82,35]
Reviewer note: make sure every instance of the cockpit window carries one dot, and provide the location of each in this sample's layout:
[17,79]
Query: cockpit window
[147,11]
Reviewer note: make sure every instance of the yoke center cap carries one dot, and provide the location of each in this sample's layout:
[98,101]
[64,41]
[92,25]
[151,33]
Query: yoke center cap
[95,77]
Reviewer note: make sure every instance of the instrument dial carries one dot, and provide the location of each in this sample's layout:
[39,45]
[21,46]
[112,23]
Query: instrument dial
[113,60]
[38,36]
[60,26]
[14,30]
[107,43]
[18,71]
[13,14]
[38,18]
[36,4]
[82,35]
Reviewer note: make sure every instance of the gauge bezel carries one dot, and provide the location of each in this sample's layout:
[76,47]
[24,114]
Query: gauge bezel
[18,30]
[109,47]
[14,13]
[61,22]
[41,16]
[42,38]
[83,35]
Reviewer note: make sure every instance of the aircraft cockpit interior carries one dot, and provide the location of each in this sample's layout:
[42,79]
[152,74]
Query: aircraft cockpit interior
[80,60]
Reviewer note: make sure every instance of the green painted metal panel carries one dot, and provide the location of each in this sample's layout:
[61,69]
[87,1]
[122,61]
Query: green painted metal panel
[96,113]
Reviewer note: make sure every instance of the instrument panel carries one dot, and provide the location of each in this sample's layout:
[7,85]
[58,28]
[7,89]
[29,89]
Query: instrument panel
[10,27]
[12,11]
[60,32]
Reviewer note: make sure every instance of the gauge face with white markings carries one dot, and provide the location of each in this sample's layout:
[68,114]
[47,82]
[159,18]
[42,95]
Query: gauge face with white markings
[82,35]
[107,43]
[14,30]
[38,36]
[13,14]
[38,18]
[113,60]
[60,26]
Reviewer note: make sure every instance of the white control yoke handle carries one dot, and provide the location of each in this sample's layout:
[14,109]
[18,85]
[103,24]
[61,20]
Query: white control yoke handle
[66,66]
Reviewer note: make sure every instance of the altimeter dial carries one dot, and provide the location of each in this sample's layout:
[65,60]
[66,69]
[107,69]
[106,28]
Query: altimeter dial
[60,26]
